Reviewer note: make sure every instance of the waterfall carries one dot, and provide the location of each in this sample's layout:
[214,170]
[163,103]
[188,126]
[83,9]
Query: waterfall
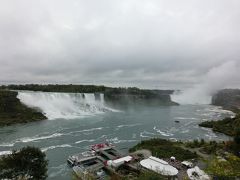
[65,105]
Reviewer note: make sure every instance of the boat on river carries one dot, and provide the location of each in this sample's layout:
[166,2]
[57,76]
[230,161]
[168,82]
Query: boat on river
[94,162]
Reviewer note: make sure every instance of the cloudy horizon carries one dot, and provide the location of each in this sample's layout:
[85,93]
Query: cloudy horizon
[147,43]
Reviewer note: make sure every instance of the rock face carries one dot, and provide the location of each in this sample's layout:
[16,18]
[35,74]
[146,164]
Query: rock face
[227,98]
[138,96]
[12,111]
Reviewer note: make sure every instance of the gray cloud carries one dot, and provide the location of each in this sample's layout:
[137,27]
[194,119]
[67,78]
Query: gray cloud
[146,43]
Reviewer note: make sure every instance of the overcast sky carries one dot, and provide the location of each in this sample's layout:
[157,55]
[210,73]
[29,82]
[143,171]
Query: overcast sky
[145,43]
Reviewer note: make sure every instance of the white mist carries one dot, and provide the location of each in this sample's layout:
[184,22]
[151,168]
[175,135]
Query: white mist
[217,78]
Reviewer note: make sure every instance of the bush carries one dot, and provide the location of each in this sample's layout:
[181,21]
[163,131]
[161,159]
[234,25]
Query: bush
[237,136]
[29,163]
[164,149]
[224,169]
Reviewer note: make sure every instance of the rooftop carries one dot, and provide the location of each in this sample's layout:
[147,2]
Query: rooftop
[160,166]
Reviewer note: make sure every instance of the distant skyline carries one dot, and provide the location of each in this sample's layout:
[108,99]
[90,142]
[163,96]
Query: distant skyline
[145,43]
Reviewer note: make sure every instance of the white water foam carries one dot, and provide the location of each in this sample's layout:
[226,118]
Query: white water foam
[5,152]
[162,132]
[127,125]
[214,112]
[7,145]
[115,140]
[185,131]
[30,139]
[86,130]
[54,147]
[219,110]
[36,138]
[84,140]
[146,134]
[186,118]
[65,105]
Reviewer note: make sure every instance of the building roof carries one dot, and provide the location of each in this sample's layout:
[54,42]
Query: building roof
[187,163]
[123,159]
[197,174]
[159,166]
[119,162]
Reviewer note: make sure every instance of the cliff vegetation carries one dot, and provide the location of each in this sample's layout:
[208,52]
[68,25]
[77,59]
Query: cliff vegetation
[12,111]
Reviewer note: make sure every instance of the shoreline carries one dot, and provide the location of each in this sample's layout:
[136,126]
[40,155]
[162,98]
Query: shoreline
[226,126]
[12,111]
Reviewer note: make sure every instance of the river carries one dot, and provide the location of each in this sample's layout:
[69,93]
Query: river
[77,121]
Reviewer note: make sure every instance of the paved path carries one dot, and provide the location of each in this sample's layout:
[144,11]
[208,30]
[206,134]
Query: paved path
[197,150]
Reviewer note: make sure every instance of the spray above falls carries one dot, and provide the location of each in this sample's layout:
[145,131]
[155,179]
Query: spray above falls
[219,77]
[65,105]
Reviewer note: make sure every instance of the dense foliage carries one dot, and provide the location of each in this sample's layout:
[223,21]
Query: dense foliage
[57,88]
[228,126]
[224,168]
[165,149]
[13,111]
[28,163]
[206,147]
[216,148]
[87,89]
[237,137]
[195,143]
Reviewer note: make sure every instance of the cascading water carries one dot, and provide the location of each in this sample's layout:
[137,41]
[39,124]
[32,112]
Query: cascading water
[65,105]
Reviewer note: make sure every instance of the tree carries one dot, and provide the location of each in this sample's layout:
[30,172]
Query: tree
[223,169]
[28,163]
[237,136]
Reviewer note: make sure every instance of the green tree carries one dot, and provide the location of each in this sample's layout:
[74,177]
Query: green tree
[224,168]
[29,163]
[237,136]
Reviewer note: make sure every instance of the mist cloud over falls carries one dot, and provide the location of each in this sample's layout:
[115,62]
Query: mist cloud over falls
[216,78]
[144,43]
